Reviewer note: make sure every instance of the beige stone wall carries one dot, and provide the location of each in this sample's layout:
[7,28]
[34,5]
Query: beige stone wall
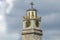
[31,37]
[27,37]
[37,37]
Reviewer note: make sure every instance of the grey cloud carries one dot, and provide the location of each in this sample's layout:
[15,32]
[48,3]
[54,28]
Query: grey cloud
[51,21]
[51,34]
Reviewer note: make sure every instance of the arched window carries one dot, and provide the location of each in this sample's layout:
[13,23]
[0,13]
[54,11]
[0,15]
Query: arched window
[28,15]
[28,23]
[32,14]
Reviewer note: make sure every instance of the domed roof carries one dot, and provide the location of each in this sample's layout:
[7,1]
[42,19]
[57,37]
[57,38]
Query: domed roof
[32,9]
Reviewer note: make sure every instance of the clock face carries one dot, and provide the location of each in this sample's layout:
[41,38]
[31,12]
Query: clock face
[37,23]
[28,23]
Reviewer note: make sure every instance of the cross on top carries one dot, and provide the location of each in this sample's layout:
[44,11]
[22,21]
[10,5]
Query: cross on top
[32,4]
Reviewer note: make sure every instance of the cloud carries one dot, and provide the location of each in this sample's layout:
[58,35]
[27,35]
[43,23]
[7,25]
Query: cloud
[11,36]
[10,5]
[51,21]
[51,35]
[6,6]
[52,17]
[2,7]
[2,17]
[2,24]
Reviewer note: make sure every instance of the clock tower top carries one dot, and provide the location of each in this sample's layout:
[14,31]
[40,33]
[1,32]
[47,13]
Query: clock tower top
[32,12]
[31,20]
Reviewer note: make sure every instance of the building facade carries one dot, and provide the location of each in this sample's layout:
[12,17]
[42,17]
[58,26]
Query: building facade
[31,25]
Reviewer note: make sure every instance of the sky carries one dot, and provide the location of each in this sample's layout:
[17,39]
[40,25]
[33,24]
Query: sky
[12,11]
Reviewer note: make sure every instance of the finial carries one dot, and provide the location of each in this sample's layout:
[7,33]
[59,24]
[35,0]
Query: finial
[32,4]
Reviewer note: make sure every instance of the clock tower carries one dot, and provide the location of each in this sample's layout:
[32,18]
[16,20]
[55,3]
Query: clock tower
[31,25]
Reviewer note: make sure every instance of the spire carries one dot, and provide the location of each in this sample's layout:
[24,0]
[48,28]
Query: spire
[32,4]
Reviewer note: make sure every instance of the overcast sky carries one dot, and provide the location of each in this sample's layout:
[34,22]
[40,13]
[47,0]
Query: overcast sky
[12,11]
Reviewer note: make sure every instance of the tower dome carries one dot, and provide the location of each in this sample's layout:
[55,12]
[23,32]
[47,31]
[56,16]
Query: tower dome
[32,12]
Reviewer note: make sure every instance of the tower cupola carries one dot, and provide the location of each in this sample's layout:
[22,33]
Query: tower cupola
[32,12]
